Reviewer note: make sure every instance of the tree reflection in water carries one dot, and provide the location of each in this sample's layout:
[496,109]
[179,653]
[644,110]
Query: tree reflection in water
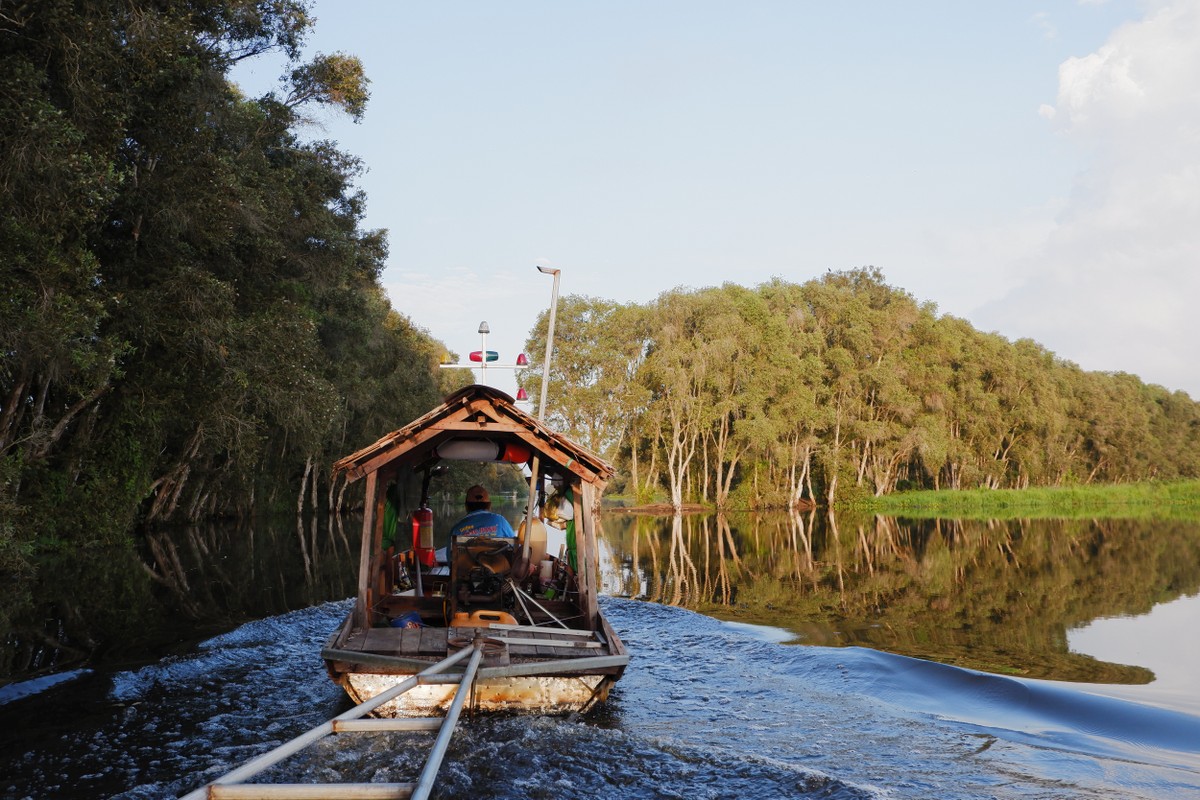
[997,596]
[132,601]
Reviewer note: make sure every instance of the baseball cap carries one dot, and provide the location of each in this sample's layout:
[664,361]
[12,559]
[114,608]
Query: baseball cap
[477,494]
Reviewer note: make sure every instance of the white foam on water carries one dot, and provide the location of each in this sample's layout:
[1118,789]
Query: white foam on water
[766,633]
[264,643]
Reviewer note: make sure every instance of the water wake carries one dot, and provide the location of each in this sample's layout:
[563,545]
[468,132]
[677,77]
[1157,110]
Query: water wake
[706,709]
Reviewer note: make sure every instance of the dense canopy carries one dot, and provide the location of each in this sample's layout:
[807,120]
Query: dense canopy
[191,321]
[838,387]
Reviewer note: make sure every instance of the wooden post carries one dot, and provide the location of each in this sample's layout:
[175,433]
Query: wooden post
[361,611]
[585,535]
[523,565]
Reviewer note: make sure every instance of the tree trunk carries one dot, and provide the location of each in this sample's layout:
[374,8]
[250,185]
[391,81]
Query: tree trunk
[308,465]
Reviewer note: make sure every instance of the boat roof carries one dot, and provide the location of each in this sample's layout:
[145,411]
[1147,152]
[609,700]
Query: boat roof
[477,412]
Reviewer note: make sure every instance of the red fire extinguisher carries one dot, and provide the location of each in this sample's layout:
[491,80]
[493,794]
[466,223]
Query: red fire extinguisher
[422,525]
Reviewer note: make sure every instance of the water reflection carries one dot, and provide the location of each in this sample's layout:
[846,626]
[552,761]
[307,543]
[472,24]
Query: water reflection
[1161,640]
[234,572]
[995,596]
[126,603]
[143,598]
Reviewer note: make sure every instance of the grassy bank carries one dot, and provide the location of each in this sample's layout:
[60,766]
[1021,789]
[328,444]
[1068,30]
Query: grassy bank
[1148,500]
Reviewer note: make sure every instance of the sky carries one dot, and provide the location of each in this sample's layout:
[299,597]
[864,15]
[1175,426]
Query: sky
[1031,167]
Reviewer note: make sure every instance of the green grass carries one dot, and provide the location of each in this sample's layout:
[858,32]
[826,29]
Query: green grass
[1148,500]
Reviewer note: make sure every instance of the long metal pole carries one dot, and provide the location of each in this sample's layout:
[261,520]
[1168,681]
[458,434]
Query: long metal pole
[549,340]
[536,465]
[425,782]
[272,757]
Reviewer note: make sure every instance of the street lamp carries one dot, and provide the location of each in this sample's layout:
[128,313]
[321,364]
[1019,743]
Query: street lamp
[549,339]
[523,562]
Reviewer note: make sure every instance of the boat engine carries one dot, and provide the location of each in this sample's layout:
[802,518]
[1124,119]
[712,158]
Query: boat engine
[482,568]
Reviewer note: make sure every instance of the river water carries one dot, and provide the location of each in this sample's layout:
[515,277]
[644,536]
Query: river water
[773,656]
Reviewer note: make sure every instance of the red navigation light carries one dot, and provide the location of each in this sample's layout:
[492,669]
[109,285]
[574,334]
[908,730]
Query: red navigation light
[477,356]
[521,393]
[522,360]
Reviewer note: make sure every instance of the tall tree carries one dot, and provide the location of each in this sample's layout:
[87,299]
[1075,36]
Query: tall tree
[192,317]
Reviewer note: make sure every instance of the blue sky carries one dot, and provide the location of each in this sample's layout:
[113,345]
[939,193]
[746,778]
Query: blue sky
[1033,167]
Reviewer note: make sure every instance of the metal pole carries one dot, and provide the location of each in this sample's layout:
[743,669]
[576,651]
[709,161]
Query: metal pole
[549,340]
[546,611]
[483,332]
[425,782]
[272,757]
[533,477]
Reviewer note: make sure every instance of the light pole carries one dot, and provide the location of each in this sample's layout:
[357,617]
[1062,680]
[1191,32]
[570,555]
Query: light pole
[523,561]
[549,340]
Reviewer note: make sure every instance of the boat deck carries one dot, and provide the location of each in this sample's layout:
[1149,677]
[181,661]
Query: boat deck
[522,642]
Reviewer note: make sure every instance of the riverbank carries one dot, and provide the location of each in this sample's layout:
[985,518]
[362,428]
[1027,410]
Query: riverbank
[620,505]
[657,509]
[1174,500]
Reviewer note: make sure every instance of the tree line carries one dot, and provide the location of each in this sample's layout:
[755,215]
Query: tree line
[839,387]
[191,319]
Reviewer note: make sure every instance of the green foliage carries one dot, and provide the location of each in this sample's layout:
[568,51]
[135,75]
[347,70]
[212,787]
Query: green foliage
[842,389]
[498,479]
[1148,500]
[336,80]
[191,321]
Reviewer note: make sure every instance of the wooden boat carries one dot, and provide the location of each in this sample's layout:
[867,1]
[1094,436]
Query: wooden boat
[547,648]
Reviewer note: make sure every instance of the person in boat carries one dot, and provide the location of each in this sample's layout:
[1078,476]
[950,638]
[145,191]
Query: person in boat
[480,519]
[559,512]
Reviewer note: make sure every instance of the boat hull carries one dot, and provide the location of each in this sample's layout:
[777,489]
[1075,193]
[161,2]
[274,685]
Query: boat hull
[536,694]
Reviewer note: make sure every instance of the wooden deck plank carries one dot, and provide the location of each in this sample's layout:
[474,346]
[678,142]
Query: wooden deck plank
[383,640]
[354,642]
[410,642]
[522,650]
[548,652]
[433,641]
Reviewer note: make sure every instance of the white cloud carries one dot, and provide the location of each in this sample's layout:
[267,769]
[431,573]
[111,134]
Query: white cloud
[1115,284]
[1143,77]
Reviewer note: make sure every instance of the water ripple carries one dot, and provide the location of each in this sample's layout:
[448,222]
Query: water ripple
[706,709]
